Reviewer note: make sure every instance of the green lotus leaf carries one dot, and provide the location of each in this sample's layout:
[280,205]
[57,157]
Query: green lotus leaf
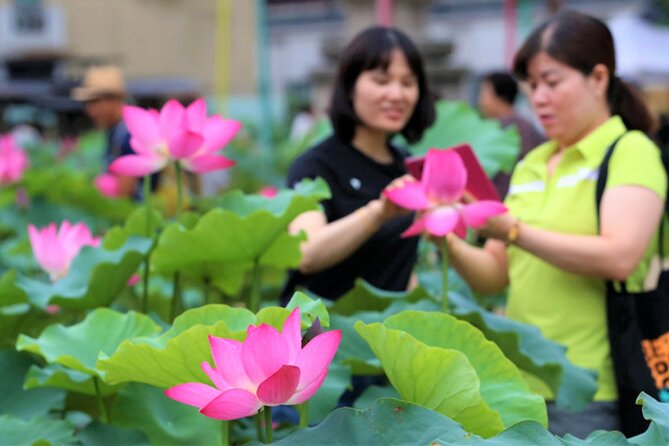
[437,378]
[100,434]
[10,293]
[310,309]
[38,431]
[77,347]
[162,420]
[502,386]
[16,401]
[658,414]
[366,297]
[373,393]
[175,356]
[327,397]
[243,231]
[95,278]
[524,344]
[457,122]
[388,422]
[59,377]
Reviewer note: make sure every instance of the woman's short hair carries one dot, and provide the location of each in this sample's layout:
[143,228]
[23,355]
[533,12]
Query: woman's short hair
[504,85]
[371,49]
[582,42]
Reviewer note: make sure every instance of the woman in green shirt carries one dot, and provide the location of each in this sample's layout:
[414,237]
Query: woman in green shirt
[548,248]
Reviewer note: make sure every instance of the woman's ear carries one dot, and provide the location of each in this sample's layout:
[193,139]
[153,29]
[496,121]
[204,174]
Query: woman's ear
[600,80]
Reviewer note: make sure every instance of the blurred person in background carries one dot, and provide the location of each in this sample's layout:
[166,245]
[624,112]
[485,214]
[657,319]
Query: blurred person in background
[497,97]
[380,90]
[553,248]
[103,94]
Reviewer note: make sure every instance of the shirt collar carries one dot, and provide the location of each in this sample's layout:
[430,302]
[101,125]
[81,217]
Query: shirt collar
[593,146]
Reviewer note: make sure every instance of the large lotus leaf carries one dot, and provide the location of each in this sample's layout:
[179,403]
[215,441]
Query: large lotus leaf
[457,122]
[366,297]
[57,376]
[250,229]
[502,386]
[162,420]
[373,393]
[139,224]
[437,378]
[524,344]
[25,404]
[326,399]
[100,434]
[388,422]
[658,413]
[10,293]
[286,205]
[353,350]
[95,278]
[38,431]
[310,309]
[175,356]
[77,347]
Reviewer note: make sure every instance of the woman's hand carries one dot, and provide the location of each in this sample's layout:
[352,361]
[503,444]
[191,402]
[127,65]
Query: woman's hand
[498,227]
[385,209]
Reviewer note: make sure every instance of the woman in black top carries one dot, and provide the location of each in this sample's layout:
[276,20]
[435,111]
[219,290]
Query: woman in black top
[380,90]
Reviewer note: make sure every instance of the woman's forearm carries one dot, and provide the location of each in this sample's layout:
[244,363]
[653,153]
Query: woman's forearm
[331,243]
[484,269]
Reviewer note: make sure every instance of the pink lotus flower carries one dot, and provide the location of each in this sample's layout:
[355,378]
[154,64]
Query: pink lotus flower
[108,185]
[55,249]
[186,135]
[438,195]
[13,160]
[267,369]
[268,191]
[133,280]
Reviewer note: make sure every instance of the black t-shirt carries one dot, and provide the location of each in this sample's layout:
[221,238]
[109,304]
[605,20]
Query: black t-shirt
[385,260]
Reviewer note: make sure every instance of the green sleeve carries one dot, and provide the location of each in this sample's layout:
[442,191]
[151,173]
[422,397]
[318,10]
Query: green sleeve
[637,161]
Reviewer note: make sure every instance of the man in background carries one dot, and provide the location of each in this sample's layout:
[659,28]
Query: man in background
[496,101]
[103,94]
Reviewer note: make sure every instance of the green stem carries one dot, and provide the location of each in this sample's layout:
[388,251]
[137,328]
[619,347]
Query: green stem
[444,274]
[145,279]
[176,295]
[177,174]
[303,410]
[101,405]
[258,418]
[268,424]
[226,430]
[254,300]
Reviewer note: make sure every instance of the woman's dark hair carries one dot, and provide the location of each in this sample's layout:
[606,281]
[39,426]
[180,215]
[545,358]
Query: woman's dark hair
[582,41]
[369,50]
[504,85]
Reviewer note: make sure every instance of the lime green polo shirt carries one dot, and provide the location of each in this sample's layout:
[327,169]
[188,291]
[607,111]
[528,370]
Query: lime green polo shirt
[569,308]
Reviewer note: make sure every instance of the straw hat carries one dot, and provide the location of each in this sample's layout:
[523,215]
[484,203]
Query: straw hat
[100,81]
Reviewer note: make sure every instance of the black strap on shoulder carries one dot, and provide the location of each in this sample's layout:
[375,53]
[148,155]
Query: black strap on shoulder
[599,193]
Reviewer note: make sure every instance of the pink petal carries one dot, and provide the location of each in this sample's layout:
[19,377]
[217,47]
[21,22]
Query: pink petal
[108,185]
[218,132]
[136,165]
[227,354]
[48,251]
[207,163]
[143,127]
[460,229]
[215,377]
[181,141]
[441,221]
[304,394]
[263,353]
[316,356]
[268,191]
[193,394]
[278,388]
[197,115]
[416,228]
[231,405]
[292,332]
[444,175]
[477,214]
[410,196]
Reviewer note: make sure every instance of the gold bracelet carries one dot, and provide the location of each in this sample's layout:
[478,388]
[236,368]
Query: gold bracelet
[514,233]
